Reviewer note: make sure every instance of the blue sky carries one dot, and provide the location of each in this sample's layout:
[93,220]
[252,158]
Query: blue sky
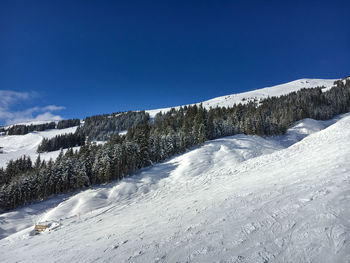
[78,58]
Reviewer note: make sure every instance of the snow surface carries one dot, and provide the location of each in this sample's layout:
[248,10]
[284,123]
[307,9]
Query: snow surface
[230,100]
[236,199]
[15,146]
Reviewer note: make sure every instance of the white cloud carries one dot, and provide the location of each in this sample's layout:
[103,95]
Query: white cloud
[8,99]
[53,108]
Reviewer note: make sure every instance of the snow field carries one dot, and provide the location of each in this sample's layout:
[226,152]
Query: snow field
[15,146]
[236,199]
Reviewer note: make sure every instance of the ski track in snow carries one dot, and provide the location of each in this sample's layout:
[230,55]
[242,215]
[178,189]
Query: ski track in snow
[236,199]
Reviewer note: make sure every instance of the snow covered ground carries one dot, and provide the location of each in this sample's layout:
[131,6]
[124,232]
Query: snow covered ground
[278,90]
[235,199]
[15,146]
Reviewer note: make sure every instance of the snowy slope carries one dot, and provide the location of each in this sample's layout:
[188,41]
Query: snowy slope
[15,146]
[230,100]
[235,199]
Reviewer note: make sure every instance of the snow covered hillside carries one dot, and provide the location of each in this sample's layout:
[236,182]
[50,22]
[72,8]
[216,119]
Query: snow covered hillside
[229,100]
[236,199]
[15,146]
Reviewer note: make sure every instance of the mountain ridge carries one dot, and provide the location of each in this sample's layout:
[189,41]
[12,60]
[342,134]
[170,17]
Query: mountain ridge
[244,97]
[222,101]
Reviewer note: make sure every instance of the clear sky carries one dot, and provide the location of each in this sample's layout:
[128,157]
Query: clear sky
[78,58]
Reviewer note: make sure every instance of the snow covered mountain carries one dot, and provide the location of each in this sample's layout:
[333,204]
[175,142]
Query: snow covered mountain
[278,90]
[15,146]
[235,199]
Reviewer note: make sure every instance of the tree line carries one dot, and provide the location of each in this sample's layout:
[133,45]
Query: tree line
[64,124]
[61,141]
[99,127]
[102,127]
[22,129]
[154,141]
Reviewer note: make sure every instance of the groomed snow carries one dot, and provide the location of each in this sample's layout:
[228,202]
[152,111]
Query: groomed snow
[278,90]
[235,199]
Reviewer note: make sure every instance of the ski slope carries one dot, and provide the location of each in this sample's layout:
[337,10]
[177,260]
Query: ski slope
[15,146]
[257,95]
[236,199]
